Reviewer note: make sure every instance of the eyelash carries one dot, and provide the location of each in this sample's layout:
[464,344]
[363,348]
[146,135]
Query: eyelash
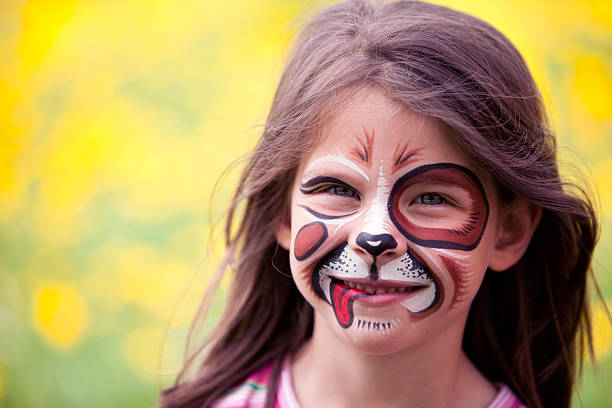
[442,200]
[333,189]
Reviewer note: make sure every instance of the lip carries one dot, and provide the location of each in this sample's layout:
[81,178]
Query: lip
[379,283]
[381,299]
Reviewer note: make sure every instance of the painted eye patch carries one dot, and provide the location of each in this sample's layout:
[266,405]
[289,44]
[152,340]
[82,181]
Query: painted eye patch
[330,198]
[453,215]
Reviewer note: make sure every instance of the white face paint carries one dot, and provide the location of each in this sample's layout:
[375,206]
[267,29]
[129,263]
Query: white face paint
[377,219]
[344,265]
[407,269]
[339,159]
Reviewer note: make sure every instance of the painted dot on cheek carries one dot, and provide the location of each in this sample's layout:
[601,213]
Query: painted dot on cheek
[308,239]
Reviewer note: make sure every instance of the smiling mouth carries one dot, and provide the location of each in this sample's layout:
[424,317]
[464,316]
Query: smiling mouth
[380,287]
[343,293]
[343,277]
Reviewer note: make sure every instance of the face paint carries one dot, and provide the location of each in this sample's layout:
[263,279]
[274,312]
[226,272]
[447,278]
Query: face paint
[377,220]
[460,277]
[403,226]
[416,278]
[403,156]
[363,150]
[416,285]
[377,327]
[462,233]
[308,239]
[340,159]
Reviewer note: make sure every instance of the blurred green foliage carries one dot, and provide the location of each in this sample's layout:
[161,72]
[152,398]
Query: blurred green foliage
[117,118]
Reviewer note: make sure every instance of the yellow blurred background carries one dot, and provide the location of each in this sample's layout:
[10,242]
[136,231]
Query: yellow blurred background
[117,118]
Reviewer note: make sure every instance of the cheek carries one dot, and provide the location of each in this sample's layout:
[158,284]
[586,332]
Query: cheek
[461,277]
[308,239]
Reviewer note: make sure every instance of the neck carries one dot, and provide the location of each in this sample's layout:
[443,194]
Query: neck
[329,372]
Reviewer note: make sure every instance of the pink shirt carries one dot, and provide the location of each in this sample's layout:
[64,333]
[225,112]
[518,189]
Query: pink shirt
[252,392]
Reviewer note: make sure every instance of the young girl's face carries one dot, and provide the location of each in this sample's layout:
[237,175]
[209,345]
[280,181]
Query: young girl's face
[391,229]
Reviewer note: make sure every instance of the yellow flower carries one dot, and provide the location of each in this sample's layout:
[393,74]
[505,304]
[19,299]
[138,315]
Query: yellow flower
[602,331]
[59,314]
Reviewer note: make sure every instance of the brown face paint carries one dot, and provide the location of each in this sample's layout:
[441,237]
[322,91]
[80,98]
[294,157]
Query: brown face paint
[403,156]
[308,239]
[458,275]
[363,151]
[465,238]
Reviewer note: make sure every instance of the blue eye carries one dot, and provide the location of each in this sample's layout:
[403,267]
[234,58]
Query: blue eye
[344,191]
[431,199]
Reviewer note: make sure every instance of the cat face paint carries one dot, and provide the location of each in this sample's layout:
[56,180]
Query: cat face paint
[390,226]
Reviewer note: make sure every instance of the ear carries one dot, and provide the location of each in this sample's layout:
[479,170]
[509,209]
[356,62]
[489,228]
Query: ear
[517,222]
[283,232]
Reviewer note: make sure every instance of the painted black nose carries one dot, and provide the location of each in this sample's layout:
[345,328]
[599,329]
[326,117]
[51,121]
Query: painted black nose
[376,244]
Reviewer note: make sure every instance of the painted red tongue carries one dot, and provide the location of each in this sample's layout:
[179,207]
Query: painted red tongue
[342,301]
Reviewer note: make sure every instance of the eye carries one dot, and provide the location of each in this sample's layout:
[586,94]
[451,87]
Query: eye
[328,185]
[431,199]
[342,190]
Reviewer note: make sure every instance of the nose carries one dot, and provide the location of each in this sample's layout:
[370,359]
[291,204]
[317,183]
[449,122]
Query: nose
[375,244]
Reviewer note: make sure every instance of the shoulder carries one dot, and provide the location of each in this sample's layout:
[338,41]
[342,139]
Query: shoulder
[505,398]
[250,393]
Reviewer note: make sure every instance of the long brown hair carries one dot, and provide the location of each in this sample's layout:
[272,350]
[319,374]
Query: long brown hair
[528,326]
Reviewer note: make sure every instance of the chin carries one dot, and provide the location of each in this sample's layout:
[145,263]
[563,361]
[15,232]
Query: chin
[380,332]
[376,343]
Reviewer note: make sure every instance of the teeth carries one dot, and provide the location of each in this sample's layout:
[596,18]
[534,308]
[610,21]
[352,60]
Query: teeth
[378,290]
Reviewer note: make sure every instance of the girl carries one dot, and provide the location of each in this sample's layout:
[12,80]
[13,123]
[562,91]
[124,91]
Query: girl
[405,238]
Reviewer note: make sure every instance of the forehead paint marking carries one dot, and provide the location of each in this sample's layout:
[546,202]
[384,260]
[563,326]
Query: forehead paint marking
[339,159]
[363,151]
[377,220]
[464,239]
[402,156]
[460,277]
[308,239]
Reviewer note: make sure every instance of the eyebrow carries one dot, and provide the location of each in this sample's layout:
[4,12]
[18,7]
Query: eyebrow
[363,150]
[305,186]
[339,160]
[402,156]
